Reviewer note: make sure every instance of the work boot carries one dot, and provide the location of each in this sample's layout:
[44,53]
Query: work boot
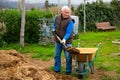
[57,71]
[68,73]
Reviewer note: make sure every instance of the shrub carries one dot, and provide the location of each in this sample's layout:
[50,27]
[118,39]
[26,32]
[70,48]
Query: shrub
[1,41]
[12,19]
[95,12]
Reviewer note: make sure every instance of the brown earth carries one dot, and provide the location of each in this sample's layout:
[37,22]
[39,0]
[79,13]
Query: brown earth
[15,66]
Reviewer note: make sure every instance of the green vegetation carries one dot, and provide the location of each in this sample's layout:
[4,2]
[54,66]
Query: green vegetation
[108,58]
[99,11]
[12,20]
[43,52]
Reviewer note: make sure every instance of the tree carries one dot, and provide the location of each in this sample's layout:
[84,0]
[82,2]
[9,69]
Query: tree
[73,9]
[115,4]
[95,12]
[20,4]
[46,4]
[22,25]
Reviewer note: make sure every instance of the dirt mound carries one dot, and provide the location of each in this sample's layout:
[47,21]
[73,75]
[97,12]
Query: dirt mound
[13,66]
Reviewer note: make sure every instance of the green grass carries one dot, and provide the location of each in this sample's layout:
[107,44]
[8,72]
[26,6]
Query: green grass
[107,60]
[44,52]
[110,78]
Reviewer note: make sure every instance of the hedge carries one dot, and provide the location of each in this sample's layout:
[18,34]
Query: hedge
[98,12]
[12,20]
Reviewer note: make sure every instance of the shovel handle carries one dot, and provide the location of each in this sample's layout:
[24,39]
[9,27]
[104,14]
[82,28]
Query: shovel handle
[58,38]
[61,41]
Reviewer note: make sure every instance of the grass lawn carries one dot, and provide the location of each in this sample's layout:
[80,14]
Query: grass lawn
[108,58]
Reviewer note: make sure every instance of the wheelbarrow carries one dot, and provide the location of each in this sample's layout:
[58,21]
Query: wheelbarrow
[85,60]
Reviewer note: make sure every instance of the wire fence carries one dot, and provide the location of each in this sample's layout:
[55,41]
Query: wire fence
[46,31]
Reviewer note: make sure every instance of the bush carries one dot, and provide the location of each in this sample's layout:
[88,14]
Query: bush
[1,41]
[115,5]
[12,19]
[95,12]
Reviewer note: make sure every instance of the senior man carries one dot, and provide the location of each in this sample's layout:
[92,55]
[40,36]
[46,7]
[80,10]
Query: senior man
[63,27]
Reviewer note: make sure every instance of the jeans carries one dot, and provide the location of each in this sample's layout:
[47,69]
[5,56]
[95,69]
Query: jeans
[57,57]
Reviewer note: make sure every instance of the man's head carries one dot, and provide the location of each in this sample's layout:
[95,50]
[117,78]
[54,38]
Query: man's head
[65,11]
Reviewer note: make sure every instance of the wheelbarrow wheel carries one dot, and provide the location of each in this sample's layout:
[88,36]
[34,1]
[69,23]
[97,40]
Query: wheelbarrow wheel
[80,76]
[81,68]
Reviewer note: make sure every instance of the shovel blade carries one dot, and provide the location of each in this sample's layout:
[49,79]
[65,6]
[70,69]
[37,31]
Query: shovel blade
[72,50]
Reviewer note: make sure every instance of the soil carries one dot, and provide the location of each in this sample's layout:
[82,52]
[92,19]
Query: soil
[16,66]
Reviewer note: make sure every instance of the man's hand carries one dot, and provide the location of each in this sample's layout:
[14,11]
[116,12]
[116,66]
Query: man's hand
[63,41]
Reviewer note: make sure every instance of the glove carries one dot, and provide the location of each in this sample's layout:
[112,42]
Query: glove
[63,41]
[53,29]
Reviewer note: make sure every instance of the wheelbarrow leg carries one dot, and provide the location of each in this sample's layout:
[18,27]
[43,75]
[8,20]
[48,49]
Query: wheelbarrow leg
[75,65]
[92,67]
[81,68]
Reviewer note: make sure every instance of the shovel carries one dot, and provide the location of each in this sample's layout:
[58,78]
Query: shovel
[71,50]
